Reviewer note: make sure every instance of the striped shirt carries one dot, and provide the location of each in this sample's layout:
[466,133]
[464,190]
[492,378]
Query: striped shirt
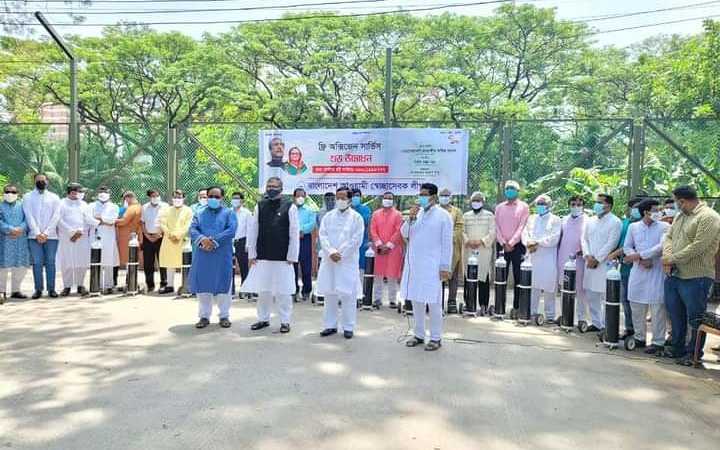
[692,241]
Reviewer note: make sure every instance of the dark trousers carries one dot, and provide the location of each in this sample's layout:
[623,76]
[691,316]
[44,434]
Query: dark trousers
[686,302]
[627,309]
[304,266]
[151,251]
[514,258]
[453,283]
[483,290]
[241,257]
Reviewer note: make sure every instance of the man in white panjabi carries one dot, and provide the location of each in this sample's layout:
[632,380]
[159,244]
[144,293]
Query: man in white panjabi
[429,233]
[74,227]
[479,241]
[643,248]
[273,245]
[541,236]
[106,213]
[341,234]
[600,237]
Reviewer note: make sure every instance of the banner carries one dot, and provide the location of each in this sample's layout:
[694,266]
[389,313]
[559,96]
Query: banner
[374,160]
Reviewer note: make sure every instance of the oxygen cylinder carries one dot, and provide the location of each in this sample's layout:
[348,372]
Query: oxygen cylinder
[612,307]
[320,299]
[500,286]
[131,280]
[471,284]
[95,266]
[184,290]
[369,279]
[567,319]
[524,290]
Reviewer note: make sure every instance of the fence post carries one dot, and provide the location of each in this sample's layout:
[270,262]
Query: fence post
[387,107]
[171,160]
[505,157]
[636,157]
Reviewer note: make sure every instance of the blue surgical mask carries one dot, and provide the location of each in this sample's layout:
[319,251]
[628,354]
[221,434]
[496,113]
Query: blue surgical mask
[542,209]
[424,201]
[635,214]
[598,208]
[213,203]
[511,194]
[356,201]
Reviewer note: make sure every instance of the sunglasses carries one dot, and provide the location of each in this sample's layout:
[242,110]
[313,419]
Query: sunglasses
[214,196]
[11,192]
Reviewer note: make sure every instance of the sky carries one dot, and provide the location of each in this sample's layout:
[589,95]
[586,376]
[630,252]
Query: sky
[693,10]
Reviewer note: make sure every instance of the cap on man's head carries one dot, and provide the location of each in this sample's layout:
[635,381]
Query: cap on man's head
[477,195]
[544,197]
[512,184]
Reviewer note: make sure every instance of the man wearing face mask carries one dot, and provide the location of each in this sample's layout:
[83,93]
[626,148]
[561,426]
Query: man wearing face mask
[510,219]
[14,253]
[74,229]
[456,268]
[429,235]
[106,213]
[152,239]
[243,216]
[632,215]
[541,237]
[600,237]
[341,233]
[570,246]
[202,201]
[689,262]
[307,219]
[669,211]
[175,225]
[643,249]
[127,224]
[479,241]
[211,273]
[387,243]
[42,212]
[273,247]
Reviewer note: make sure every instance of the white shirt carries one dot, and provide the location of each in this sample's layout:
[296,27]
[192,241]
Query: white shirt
[646,285]
[341,232]
[243,215]
[600,238]
[151,217]
[42,213]
[545,231]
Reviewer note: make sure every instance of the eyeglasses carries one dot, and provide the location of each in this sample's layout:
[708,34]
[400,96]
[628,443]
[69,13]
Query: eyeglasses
[11,192]
[214,196]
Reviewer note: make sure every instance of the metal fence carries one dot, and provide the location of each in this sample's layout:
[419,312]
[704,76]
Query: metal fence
[562,157]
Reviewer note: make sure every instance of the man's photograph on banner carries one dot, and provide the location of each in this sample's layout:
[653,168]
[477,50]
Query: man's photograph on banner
[373,160]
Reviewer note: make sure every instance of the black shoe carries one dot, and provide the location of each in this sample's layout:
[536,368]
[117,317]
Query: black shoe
[202,323]
[18,295]
[640,344]
[306,297]
[414,342]
[81,290]
[432,346]
[348,334]
[392,305]
[284,327]
[328,331]
[628,333]
[149,289]
[592,328]
[108,291]
[654,350]
[65,292]
[53,294]
[166,290]
[259,325]
[36,295]
[225,322]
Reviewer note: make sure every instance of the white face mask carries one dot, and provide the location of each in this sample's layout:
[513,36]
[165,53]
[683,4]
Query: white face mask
[178,202]
[10,198]
[154,200]
[126,204]
[342,205]
[103,197]
[575,211]
[670,212]
[300,201]
[655,216]
[444,200]
[236,202]
[81,196]
[387,203]
[476,205]
[203,202]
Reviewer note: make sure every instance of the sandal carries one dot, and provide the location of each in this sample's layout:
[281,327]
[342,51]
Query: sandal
[202,323]
[414,342]
[225,323]
[432,346]
[284,327]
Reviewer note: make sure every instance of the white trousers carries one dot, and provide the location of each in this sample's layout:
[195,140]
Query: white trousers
[548,300]
[205,304]
[436,320]
[596,302]
[361,285]
[658,318]
[170,276]
[18,273]
[379,287]
[283,303]
[349,312]
[74,276]
[107,277]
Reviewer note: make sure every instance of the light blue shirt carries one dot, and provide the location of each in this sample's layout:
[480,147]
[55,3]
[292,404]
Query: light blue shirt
[307,218]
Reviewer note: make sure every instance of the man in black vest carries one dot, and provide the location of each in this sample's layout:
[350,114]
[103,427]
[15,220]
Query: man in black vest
[273,243]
